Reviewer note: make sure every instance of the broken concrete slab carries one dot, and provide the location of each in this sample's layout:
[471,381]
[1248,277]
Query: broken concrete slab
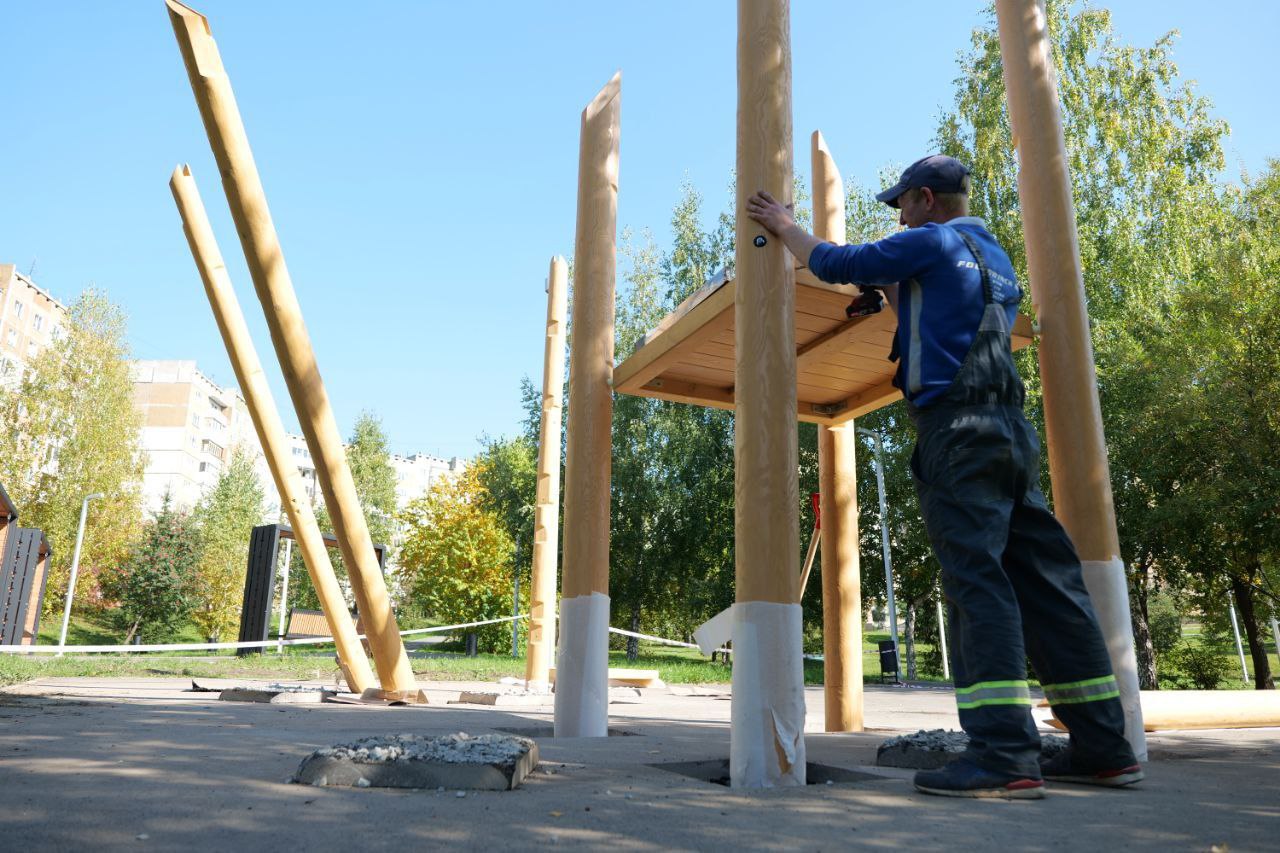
[276,694]
[490,762]
[504,698]
[929,750]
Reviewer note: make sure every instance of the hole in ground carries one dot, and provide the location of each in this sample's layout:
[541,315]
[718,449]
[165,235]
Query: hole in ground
[549,731]
[716,771]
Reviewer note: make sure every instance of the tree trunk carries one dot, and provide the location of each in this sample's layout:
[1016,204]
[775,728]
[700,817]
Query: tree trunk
[909,634]
[128,638]
[1142,645]
[633,643]
[1262,679]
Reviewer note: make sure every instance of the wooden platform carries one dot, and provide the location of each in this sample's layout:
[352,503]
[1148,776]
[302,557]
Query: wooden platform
[842,365]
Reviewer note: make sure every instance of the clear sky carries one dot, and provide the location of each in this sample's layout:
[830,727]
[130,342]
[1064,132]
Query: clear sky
[420,158]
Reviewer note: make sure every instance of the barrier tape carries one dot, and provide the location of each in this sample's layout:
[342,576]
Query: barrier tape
[306,641]
[198,647]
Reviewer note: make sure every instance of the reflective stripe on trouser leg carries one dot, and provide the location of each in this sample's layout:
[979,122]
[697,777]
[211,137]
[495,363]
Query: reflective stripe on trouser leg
[1078,692]
[986,693]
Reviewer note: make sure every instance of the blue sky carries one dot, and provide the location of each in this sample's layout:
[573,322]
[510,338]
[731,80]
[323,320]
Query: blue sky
[420,159]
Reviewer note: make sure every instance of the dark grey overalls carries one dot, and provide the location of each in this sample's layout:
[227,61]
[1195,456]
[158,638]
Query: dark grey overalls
[1010,574]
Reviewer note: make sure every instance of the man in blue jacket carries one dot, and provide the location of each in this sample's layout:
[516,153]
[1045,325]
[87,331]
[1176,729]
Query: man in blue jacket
[1010,573]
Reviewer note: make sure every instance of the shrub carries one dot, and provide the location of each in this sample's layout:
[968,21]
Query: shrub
[1192,665]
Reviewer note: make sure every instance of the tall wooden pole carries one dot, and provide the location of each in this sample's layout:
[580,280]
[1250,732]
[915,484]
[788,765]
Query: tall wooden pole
[767,732]
[838,485]
[582,665]
[1073,417]
[271,280]
[266,421]
[546,518]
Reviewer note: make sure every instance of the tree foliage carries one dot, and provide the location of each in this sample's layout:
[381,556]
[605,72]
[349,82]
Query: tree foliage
[226,517]
[71,429]
[456,558]
[158,586]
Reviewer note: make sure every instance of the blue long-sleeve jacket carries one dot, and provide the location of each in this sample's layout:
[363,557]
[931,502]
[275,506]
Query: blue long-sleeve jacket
[939,299]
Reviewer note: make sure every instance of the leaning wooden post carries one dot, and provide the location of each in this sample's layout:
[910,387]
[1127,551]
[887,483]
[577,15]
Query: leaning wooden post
[266,421]
[271,280]
[838,485]
[546,518]
[582,664]
[1073,417]
[767,732]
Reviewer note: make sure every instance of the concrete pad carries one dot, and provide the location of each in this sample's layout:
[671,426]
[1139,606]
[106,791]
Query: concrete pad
[929,750]
[97,762]
[491,762]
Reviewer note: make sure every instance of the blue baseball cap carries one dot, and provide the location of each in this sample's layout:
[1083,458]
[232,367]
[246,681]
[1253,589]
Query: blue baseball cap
[938,172]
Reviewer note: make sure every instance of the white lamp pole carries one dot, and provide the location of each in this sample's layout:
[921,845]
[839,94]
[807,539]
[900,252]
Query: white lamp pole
[75,569]
[1235,629]
[884,539]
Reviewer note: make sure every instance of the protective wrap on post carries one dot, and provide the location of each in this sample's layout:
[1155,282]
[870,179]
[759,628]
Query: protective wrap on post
[1109,592]
[767,641]
[582,667]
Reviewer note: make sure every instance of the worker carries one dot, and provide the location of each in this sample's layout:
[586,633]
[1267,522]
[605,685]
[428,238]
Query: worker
[1011,576]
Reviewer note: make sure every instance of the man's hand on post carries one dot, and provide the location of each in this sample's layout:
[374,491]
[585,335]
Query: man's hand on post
[778,220]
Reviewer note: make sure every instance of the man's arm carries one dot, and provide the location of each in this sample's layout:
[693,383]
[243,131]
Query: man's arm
[763,208]
[881,264]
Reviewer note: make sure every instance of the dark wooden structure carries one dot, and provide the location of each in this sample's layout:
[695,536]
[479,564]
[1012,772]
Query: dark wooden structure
[24,570]
[260,580]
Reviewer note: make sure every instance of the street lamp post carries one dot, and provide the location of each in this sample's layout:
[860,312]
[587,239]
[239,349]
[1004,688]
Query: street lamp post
[515,604]
[75,569]
[884,540]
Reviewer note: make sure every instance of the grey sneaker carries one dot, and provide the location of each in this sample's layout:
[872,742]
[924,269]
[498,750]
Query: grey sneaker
[1061,768]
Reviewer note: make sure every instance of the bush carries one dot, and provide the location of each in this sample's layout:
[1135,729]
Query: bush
[1164,622]
[1195,666]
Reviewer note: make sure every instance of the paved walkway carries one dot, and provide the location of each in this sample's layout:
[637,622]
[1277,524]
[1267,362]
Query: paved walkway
[141,764]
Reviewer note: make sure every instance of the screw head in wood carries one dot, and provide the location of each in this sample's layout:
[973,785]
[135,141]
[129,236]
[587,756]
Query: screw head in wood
[760,241]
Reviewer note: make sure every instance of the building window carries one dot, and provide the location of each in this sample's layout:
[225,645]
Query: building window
[18,309]
[37,322]
[195,420]
[12,337]
[33,349]
[212,449]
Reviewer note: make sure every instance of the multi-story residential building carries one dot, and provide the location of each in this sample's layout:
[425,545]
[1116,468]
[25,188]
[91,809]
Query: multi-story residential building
[415,474]
[30,320]
[190,426]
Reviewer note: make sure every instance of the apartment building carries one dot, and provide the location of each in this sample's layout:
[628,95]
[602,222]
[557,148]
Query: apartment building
[190,426]
[30,320]
[415,474]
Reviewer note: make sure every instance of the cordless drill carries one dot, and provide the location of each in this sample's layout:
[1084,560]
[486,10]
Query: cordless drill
[867,302]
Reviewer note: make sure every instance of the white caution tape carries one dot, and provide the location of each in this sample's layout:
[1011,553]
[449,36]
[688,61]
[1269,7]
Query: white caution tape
[653,639]
[200,647]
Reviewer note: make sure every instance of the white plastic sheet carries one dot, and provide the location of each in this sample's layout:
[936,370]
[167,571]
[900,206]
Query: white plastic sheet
[582,667]
[1110,594]
[766,747]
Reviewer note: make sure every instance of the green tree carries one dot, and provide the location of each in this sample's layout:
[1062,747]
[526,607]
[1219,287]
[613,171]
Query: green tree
[369,457]
[456,558]
[158,585]
[226,517]
[71,429]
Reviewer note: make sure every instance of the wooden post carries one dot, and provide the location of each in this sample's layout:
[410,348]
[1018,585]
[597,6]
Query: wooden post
[767,731]
[271,280]
[1073,418]
[266,421]
[837,475]
[546,519]
[582,665]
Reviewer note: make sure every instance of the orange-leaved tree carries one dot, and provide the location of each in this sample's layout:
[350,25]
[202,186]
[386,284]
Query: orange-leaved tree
[456,558]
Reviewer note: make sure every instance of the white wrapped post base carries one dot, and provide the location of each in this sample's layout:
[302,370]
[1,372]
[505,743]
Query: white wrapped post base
[1110,595]
[766,747]
[582,667]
